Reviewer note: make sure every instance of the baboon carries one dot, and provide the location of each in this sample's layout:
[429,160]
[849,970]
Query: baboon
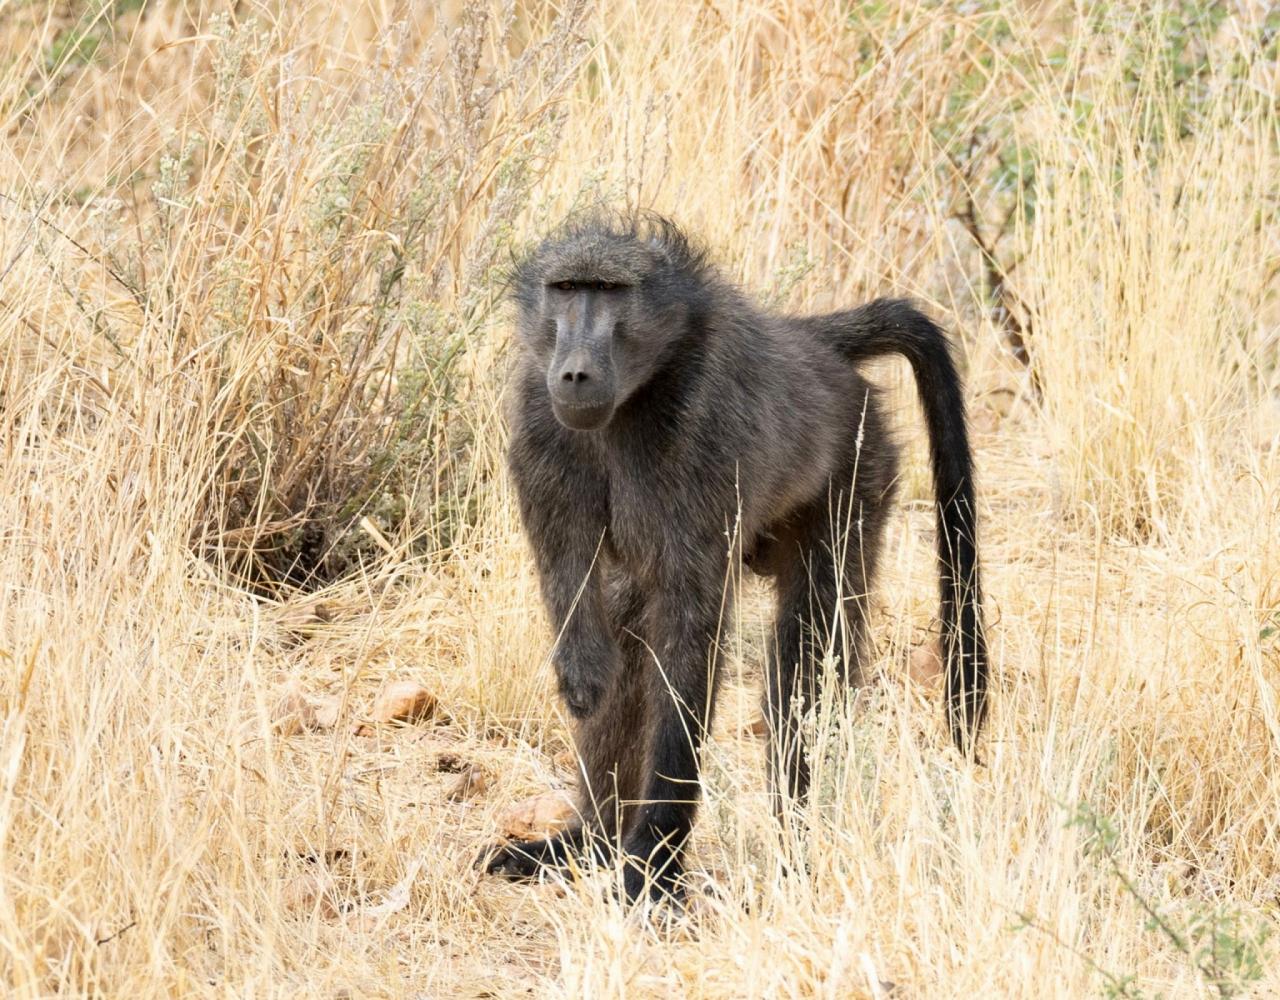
[664,427]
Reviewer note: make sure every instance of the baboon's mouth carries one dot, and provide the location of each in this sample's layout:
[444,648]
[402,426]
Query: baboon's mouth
[582,416]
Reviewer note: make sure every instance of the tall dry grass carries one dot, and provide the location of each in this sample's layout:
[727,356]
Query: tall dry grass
[250,284]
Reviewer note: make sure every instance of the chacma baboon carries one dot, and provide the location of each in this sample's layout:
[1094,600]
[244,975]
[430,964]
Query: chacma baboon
[658,416]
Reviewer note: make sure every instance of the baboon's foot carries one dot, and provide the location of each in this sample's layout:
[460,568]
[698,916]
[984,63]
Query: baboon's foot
[652,872]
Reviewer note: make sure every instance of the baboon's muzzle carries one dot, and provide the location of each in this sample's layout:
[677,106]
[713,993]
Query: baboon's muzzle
[582,418]
[581,386]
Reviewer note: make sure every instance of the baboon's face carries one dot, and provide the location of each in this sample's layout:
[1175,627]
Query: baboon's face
[598,330]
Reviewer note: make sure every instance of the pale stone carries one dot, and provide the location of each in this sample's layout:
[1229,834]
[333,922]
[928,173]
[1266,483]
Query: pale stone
[295,711]
[471,782]
[539,816]
[925,664]
[404,701]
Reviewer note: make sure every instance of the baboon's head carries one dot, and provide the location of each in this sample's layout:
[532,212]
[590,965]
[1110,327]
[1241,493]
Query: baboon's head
[602,304]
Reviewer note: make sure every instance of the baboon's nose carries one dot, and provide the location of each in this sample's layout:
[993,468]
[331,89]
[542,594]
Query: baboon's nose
[573,374]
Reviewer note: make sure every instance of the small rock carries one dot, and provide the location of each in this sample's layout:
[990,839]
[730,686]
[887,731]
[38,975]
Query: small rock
[471,782]
[757,727]
[303,618]
[309,892]
[295,711]
[985,421]
[925,664]
[290,711]
[539,816]
[404,701]
[566,760]
[333,856]
[327,709]
[450,763]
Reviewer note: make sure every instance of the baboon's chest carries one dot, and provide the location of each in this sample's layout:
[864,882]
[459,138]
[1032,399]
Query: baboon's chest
[636,536]
[674,514]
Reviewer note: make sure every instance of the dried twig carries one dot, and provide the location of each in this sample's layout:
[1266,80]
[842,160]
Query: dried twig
[1007,309]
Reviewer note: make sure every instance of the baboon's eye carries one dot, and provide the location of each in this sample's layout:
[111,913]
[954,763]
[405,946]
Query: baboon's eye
[564,286]
[606,286]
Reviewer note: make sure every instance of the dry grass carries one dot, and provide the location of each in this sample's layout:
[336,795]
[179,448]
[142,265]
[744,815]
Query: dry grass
[251,332]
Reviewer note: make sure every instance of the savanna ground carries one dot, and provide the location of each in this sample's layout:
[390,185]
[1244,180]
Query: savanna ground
[253,337]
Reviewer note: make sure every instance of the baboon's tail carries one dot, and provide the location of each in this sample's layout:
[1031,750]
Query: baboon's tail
[894,326]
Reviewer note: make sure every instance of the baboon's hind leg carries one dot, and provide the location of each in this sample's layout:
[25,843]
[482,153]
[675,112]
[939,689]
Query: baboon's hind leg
[822,605]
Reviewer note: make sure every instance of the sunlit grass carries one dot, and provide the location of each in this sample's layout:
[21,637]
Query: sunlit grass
[253,347]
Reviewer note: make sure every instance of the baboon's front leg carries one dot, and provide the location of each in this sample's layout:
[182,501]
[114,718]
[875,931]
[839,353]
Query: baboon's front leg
[587,657]
[611,746]
[564,503]
[564,506]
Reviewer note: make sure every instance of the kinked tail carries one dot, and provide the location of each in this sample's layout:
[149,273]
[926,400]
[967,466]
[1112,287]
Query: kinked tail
[894,326]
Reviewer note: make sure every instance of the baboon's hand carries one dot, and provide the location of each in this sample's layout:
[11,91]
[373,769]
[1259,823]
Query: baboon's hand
[581,696]
[584,670]
[520,860]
